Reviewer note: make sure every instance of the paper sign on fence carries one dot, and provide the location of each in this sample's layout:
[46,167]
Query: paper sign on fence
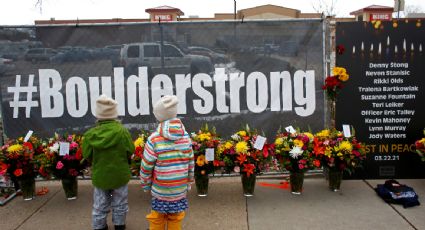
[259,142]
[209,154]
[63,148]
[27,137]
[290,129]
[347,131]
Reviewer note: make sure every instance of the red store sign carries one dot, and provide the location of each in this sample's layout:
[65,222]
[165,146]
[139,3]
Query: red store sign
[380,16]
[163,17]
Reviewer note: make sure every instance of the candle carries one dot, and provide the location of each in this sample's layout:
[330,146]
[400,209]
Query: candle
[354,49]
[379,48]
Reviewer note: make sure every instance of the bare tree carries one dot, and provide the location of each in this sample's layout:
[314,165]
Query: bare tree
[326,7]
[413,9]
[39,4]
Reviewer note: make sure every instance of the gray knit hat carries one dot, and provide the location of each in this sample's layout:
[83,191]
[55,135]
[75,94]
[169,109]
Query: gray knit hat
[166,108]
[106,108]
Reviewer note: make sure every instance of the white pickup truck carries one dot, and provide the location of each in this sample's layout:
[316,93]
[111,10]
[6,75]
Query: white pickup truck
[173,60]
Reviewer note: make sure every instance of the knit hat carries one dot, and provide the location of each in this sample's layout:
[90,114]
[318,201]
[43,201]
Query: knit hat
[106,108]
[166,108]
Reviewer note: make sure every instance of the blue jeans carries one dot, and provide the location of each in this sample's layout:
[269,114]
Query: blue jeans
[104,200]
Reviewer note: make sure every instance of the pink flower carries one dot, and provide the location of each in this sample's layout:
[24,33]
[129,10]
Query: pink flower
[73,145]
[69,138]
[59,165]
[301,166]
[237,169]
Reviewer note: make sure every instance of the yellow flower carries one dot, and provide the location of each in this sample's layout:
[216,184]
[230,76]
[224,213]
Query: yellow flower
[343,77]
[139,142]
[422,141]
[204,136]
[278,141]
[298,143]
[339,154]
[228,145]
[328,151]
[309,135]
[201,160]
[324,133]
[15,148]
[242,133]
[242,147]
[345,146]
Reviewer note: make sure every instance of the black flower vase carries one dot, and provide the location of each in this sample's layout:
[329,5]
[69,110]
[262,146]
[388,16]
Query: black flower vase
[70,187]
[296,179]
[27,186]
[248,184]
[335,178]
[201,182]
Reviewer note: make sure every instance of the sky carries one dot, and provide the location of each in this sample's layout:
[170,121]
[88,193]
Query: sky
[24,12]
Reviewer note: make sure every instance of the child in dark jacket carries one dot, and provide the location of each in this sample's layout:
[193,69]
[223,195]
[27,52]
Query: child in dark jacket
[108,146]
[167,167]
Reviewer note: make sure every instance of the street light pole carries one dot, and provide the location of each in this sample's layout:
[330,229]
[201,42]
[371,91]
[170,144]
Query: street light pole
[234,12]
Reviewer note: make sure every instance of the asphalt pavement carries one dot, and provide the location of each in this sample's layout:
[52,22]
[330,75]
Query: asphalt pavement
[355,206]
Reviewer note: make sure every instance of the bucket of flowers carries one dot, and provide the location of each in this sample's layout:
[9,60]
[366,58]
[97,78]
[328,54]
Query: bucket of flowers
[338,153]
[294,152]
[333,85]
[68,165]
[17,160]
[136,157]
[204,144]
[249,159]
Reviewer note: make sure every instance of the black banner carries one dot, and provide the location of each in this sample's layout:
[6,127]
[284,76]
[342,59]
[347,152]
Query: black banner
[384,98]
[264,73]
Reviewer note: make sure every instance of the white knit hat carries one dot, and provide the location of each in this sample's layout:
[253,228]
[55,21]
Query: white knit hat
[106,108]
[166,108]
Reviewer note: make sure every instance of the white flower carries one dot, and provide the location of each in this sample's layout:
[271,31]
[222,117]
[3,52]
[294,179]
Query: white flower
[54,148]
[236,137]
[296,152]
[193,135]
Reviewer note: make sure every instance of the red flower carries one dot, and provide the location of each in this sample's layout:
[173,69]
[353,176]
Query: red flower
[316,163]
[249,169]
[241,158]
[340,49]
[18,172]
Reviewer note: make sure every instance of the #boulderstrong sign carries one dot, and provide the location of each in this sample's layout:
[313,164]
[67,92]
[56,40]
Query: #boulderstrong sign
[384,98]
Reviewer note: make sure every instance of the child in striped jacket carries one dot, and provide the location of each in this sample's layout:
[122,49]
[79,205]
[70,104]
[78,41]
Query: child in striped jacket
[167,167]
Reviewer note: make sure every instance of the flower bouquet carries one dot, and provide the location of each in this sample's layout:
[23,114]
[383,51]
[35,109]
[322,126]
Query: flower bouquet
[248,160]
[136,157]
[420,147]
[68,162]
[333,85]
[294,152]
[17,161]
[204,144]
[339,154]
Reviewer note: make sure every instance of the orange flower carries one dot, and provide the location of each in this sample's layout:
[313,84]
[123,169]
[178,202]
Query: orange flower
[241,158]
[18,172]
[249,169]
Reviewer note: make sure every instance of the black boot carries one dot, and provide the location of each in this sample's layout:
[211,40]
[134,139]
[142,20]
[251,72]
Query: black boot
[120,227]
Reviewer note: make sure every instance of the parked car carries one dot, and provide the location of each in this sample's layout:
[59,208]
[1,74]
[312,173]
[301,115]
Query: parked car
[216,57]
[6,65]
[40,54]
[168,60]
[74,54]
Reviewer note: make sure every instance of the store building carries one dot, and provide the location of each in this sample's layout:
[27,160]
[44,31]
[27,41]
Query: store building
[168,13]
[374,13]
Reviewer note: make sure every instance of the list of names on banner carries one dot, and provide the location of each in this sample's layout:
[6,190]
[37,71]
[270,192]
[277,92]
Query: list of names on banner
[388,93]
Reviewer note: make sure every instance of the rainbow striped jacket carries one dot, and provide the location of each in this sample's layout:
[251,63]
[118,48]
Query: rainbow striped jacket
[168,164]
